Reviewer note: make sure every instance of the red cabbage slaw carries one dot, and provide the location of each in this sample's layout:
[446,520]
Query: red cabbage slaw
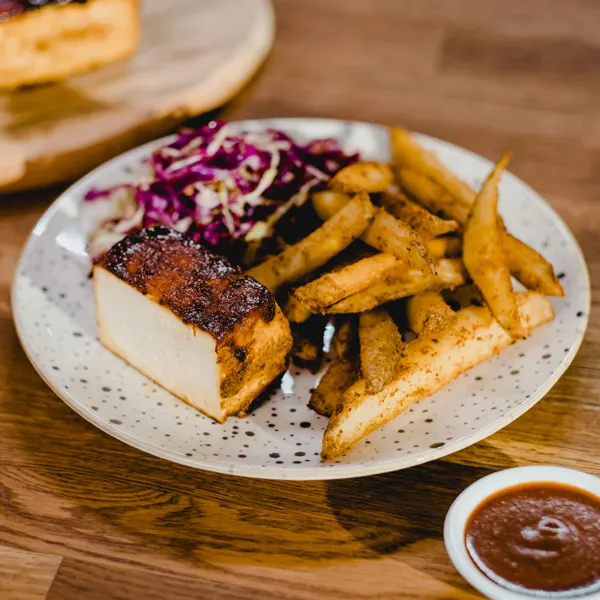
[218,186]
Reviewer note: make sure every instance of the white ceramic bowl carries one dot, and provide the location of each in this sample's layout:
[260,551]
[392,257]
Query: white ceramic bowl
[475,494]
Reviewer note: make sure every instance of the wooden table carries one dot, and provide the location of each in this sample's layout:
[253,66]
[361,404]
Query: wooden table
[85,517]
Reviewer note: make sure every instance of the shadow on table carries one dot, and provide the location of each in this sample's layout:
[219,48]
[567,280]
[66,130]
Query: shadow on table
[387,513]
[116,501]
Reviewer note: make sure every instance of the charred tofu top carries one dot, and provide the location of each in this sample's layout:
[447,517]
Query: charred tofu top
[202,289]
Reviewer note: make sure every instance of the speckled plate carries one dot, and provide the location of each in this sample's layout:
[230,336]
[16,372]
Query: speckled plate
[54,315]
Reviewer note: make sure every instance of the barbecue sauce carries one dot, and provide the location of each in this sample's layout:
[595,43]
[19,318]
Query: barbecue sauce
[542,537]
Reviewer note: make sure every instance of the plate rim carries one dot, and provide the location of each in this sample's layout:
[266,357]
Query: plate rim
[281,473]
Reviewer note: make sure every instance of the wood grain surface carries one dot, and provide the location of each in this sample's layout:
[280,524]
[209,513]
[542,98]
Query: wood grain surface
[102,521]
[193,56]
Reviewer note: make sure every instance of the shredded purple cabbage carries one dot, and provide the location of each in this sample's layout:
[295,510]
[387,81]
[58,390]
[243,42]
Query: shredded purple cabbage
[218,186]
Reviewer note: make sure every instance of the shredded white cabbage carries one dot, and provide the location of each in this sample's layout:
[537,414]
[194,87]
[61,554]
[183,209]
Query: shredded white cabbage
[267,179]
[184,162]
[125,225]
[195,143]
[218,140]
[228,219]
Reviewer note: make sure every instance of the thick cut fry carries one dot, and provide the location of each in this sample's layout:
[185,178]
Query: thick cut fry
[365,176]
[384,292]
[327,202]
[305,350]
[408,154]
[433,196]
[426,224]
[464,296]
[450,274]
[428,364]
[392,236]
[386,233]
[380,348]
[429,313]
[316,249]
[337,285]
[344,338]
[484,255]
[454,201]
[525,264]
[342,372]
[295,311]
[444,247]
[530,268]
[307,347]
[340,375]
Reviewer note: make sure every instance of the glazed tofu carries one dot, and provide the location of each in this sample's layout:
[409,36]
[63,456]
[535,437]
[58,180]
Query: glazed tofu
[189,320]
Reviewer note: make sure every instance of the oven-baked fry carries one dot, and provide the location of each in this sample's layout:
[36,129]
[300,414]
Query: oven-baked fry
[363,176]
[450,274]
[425,223]
[341,373]
[312,252]
[380,348]
[428,312]
[484,254]
[428,364]
[385,233]
[429,181]
[444,247]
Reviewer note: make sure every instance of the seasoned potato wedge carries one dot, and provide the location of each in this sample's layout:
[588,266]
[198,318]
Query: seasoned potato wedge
[296,311]
[433,196]
[428,364]
[363,176]
[317,248]
[343,370]
[408,154]
[426,224]
[334,286]
[386,233]
[392,236]
[444,247]
[429,181]
[530,267]
[340,375]
[484,255]
[450,274]
[327,202]
[380,348]
[428,312]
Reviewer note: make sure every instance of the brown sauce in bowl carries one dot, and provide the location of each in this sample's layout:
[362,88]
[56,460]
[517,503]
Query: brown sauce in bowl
[542,537]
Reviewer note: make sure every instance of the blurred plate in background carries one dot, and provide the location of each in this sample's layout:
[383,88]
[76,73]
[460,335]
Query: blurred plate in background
[194,56]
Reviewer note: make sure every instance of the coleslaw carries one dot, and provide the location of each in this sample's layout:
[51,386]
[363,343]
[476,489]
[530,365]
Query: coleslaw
[218,186]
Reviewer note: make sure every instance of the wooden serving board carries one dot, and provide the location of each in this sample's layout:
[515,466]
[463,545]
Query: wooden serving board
[194,56]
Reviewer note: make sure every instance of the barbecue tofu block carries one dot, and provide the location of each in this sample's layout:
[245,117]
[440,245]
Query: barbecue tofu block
[48,40]
[189,320]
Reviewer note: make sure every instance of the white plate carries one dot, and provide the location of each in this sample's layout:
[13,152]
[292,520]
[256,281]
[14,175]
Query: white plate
[54,315]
